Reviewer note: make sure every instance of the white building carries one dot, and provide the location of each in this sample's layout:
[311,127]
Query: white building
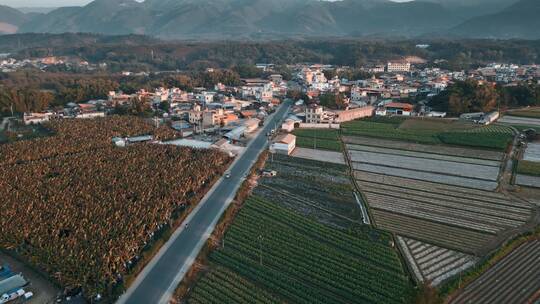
[284,144]
[398,66]
[36,118]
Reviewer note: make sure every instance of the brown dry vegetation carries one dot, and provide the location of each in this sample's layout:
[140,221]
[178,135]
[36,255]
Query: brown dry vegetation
[85,211]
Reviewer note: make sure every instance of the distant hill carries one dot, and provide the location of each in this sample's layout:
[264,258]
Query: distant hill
[520,20]
[226,19]
[267,19]
[10,19]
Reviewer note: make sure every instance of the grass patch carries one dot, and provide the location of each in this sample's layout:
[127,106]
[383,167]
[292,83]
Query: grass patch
[322,139]
[528,168]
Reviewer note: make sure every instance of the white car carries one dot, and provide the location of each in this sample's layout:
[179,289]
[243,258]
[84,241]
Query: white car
[228,175]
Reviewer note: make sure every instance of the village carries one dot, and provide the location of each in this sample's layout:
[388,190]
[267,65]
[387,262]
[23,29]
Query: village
[223,116]
[321,110]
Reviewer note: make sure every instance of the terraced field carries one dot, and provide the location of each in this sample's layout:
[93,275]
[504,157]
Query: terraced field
[458,218]
[274,255]
[514,279]
[432,263]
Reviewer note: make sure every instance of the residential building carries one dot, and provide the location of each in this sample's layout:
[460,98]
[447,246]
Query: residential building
[36,118]
[398,66]
[284,144]
[398,108]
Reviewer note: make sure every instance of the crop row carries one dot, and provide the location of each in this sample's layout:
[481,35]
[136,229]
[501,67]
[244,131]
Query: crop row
[429,212]
[431,232]
[422,155]
[448,190]
[298,260]
[429,165]
[514,279]
[494,217]
[432,149]
[361,247]
[427,176]
[475,205]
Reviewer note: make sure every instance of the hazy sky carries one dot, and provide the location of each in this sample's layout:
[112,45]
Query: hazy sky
[56,3]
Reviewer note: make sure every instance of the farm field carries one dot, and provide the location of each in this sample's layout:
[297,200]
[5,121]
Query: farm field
[433,132]
[319,155]
[533,122]
[531,168]
[275,255]
[432,263]
[318,189]
[528,113]
[408,146]
[461,219]
[322,139]
[514,279]
[532,153]
[528,180]
[63,195]
[446,169]
[438,200]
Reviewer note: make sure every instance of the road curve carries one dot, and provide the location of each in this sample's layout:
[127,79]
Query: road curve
[158,280]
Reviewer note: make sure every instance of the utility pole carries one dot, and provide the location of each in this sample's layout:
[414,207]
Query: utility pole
[315,139]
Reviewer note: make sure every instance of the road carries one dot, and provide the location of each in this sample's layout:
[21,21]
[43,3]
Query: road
[158,280]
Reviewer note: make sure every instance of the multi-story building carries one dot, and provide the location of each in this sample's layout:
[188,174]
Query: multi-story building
[398,66]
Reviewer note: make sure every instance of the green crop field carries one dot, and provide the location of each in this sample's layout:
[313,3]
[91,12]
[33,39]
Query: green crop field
[528,168]
[432,132]
[273,255]
[323,139]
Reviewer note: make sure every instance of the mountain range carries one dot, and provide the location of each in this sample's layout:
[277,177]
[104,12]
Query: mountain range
[279,19]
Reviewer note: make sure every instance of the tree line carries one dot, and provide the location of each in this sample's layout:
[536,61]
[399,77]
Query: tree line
[473,96]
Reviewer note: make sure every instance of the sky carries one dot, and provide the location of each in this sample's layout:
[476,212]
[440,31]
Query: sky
[57,3]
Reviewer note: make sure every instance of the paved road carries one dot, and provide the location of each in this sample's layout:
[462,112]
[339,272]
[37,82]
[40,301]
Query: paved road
[158,280]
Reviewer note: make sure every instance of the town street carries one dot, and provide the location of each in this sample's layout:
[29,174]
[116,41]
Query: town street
[157,282]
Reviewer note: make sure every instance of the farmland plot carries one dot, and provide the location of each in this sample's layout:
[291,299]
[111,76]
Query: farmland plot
[432,149]
[320,189]
[416,163]
[432,263]
[514,279]
[515,120]
[455,180]
[532,153]
[274,255]
[462,219]
[528,180]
